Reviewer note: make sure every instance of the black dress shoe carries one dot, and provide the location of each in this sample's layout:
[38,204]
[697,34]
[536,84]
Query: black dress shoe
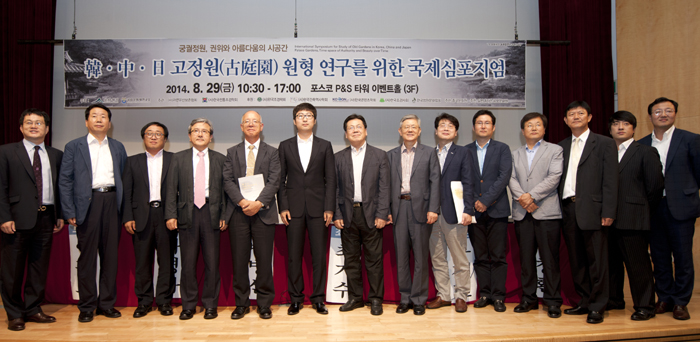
[142,310]
[526,307]
[554,311]
[264,312]
[110,313]
[642,315]
[186,314]
[594,317]
[376,308]
[16,324]
[662,307]
[85,316]
[165,309]
[404,307]
[210,313]
[352,304]
[578,310]
[499,306]
[482,302]
[294,308]
[40,318]
[419,310]
[615,306]
[680,312]
[320,308]
[240,312]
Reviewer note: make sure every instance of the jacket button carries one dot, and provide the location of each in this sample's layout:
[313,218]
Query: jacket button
[482,180]
[479,194]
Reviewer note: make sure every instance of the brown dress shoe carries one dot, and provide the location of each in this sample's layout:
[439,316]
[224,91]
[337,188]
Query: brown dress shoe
[662,307]
[41,318]
[460,305]
[680,312]
[16,324]
[438,303]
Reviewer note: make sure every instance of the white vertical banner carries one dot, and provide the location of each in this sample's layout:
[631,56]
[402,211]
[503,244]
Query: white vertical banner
[540,275]
[336,286]
[253,271]
[178,272]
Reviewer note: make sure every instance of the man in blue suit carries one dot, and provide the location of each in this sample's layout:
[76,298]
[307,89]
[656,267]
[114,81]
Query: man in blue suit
[673,223]
[489,236]
[90,185]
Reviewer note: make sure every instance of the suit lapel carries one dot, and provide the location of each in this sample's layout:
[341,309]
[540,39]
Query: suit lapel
[295,153]
[418,154]
[449,157]
[24,158]
[142,161]
[365,162]
[258,160]
[314,152]
[242,159]
[676,140]
[166,166]
[588,147]
[540,151]
[631,150]
[490,152]
[475,157]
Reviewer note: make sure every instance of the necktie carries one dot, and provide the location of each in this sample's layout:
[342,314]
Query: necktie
[575,158]
[250,163]
[36,165]
[199,195]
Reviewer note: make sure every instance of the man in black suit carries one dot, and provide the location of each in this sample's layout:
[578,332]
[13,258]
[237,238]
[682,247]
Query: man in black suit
[673,223]
[362,212]
[640,189]
[253,217]
[91,192]
[588,192]
[144,195]
[30,212]
[195,205]
[307,202]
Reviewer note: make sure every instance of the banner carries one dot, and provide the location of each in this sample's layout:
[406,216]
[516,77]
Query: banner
[331,72]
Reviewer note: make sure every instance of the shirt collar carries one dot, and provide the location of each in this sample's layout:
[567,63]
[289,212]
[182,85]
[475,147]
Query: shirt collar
[583,136]
[444,148]
[362,148]
[626,144]
[158,155]
[404,149]
[534,147]
[30,145]
[302,141]
[91,138]
[667,134]
[256,144]
[195,151]
[482,148]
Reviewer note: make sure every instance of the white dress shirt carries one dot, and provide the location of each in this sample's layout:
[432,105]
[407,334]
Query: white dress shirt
[305,150]
[101,159]
[195,160]
[358,159]
[662,145]
[623,148]
[570,182]
[155,173]
[47,189]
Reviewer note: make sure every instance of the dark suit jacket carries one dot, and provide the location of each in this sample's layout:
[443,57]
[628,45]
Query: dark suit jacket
[75,179]
[490,185]
[179,201]
[682,174]
[596,180]
[18,194]
[267,163]
[425,182]
[641,187]
[375,185]
[137,192]
[313,190]
[458,167]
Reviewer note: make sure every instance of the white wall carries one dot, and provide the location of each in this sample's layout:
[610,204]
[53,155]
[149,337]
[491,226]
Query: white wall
[411,19]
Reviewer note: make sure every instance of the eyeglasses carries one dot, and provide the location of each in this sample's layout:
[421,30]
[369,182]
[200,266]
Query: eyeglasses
[32,123]
[446,125]
[248,122]
[156,134]
[531,126]
[202,131]
[352,128]
[305,116]
[668,111]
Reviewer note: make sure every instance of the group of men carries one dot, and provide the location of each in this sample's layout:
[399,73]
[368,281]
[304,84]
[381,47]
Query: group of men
[606,205]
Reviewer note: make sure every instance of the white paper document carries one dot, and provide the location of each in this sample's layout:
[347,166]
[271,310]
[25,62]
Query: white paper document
[458,198]
[251,186]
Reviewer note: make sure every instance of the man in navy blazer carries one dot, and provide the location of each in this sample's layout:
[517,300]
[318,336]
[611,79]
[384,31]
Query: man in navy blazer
[91,197]
[673,223]
[493,164]
[450,231]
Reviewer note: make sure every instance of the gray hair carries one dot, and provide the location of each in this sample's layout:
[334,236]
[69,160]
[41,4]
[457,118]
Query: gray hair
[260,116]
[201,120]
[409,117]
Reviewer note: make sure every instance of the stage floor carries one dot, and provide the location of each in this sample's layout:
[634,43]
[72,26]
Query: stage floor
[442,324]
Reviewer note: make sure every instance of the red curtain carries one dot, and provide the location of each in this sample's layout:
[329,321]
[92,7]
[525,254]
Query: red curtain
[26,70]
[579,71]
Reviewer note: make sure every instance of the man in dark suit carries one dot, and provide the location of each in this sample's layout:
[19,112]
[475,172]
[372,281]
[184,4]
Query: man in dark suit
[253,217]
[144,195]
[307,202]
[362,212]
[673,223]
[641,185]
[494,163]
[415,202]
[195,205]
[91,198]
[537,169]
[588,192]
[30,212]
[450,230]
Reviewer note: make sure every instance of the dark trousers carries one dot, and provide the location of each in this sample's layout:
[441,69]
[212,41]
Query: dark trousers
[588,257]
[243,229]
[672,245]
[31,249]
[545,235]
[200,233]
[318,241]
[356,237]
[631,247]
[489,237]
[411,235]
[155,238]
[99,235]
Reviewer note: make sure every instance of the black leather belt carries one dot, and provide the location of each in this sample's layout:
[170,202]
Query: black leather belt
[357,205]
[105,189]
[155,204]
[405,197]
[46,207]
[571,199]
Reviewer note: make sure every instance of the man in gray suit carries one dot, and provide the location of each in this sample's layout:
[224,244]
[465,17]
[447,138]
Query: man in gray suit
[361,212]
[537,169]
[415,201]
[252,218]
[196,205]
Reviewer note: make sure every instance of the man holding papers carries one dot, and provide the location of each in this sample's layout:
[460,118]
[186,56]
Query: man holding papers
[251,180]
